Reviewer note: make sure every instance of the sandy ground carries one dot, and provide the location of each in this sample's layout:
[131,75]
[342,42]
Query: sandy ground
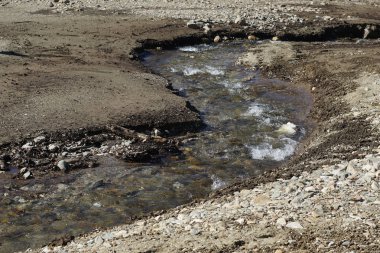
[71,65]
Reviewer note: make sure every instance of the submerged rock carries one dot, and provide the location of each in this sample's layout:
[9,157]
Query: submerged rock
[287,129]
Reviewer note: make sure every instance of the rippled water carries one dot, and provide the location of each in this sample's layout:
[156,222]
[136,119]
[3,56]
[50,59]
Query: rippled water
[253,124]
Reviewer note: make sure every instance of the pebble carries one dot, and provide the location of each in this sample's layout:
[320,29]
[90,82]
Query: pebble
[294,225]
[53,147]
[240,21]
[194,24]
[97,204]
[27,146]
[63,165]
[217,39]
[27,175]
[39,139]
[281,222]
[2,165]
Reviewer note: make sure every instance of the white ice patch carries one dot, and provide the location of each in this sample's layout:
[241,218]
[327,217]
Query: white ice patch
[287,129]
[267,151]
[217,183]
[255,110]
[190,71]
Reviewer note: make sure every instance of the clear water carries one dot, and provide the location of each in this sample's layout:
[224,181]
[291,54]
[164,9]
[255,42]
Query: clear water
[246,117]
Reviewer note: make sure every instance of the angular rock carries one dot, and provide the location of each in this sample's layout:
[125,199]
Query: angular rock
[294,225]
[27,175]
[194,24]
[63,165]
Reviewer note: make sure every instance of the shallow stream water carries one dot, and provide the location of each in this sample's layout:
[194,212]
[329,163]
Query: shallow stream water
[253,124]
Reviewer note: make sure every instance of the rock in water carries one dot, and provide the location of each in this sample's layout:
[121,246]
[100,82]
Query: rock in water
[63,165]
[288,129]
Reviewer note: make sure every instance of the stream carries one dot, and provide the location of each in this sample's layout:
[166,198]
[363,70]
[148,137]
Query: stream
[252,124]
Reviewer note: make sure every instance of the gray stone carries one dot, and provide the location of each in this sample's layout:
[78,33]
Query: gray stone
[53,147]
[96,184]
[98,240]
[27,175]
[63,165]
[281,221]
[195,231]
[194,24]
[240,21]
[97,204]
[39,139]
[27,146]
[24,170]
[294,225]
[217,39]
[3,167]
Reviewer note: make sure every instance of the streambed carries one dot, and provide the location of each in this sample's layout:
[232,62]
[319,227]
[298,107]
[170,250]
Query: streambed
[252,124]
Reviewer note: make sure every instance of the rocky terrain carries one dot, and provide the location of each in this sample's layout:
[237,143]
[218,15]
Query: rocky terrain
[326,199]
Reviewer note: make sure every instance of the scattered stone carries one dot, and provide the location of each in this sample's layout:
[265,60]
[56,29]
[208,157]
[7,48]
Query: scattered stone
[3,166]
[281,222]
[194,24]
[97,204]
[241,221]
[53,147]
[63,165]
[252,37]
[207,29]
[275,38]
[294,225]
[39,139]
[27,175]
[195,231]
[27,146]
[240,21]
[217,39]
